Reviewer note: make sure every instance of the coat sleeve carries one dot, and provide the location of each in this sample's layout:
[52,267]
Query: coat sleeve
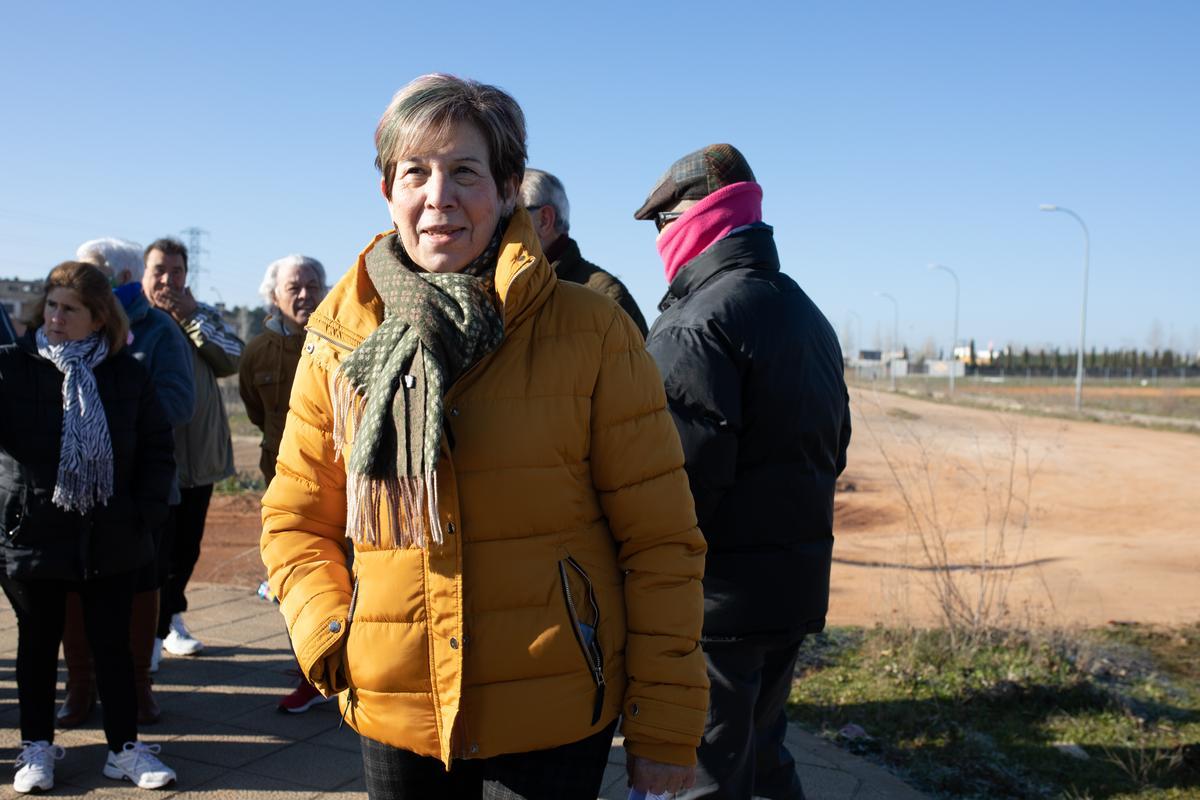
[155,454]
[637,469]
[703,384]
[250,398]
[218,345]
[303,541]
[171,371]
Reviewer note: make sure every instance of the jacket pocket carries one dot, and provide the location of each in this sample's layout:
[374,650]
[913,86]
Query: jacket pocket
[584,614]
[14,513]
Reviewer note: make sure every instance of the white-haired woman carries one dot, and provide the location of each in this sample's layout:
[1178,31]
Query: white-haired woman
[496,445]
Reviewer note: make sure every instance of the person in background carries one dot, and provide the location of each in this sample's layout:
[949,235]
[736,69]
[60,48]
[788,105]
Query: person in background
[203,447]
[86,460]
[495,445]
[545,199]
[160,346]
[291,289]
[753,374]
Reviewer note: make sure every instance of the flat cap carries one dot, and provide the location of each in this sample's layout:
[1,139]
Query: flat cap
[696,176]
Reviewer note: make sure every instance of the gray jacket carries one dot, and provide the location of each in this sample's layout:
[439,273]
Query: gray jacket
[203,448]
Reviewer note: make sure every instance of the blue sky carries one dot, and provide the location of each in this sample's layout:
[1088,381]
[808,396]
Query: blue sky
[886,136]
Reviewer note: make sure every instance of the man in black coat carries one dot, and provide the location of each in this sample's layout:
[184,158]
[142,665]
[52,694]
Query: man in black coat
[753,375]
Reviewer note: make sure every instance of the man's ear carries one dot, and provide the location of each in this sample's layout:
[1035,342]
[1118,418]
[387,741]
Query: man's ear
[544,218]
[383,188]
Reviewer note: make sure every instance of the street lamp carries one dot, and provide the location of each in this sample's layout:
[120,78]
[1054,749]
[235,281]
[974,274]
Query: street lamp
[220,298]
[858,344]
[1087,246]
[954,343]
[895,335]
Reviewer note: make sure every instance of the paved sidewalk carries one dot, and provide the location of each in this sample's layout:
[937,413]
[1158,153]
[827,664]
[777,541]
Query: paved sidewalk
[220,730]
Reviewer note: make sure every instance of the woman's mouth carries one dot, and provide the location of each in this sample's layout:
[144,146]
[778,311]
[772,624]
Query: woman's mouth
[441,234]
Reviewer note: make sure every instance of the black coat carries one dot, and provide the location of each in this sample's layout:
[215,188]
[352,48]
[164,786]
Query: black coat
[40,540]
[753,373]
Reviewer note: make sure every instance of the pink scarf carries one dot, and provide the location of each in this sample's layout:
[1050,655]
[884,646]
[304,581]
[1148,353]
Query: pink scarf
[728,208]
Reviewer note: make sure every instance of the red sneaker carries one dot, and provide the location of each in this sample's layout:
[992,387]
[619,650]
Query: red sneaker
[302,699]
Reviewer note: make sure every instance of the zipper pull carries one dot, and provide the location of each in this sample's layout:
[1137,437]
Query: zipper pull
[342,721]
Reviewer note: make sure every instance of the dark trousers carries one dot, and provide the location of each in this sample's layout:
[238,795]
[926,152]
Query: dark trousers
[570,772]
[179,551]
[742,753]
[40,607]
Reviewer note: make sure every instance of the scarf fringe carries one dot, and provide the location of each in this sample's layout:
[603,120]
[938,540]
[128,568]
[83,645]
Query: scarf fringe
[81,488]
[410,505]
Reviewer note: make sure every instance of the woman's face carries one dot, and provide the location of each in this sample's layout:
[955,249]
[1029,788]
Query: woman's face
[444,201]
[66,318]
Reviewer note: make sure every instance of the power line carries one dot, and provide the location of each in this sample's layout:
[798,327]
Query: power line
[196,252]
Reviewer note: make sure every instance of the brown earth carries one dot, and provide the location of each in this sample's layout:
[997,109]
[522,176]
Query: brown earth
[1079,522]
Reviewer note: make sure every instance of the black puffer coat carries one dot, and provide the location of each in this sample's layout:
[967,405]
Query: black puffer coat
[38,540]
[753,373]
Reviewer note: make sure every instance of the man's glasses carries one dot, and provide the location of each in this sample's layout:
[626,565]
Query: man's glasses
[664,218]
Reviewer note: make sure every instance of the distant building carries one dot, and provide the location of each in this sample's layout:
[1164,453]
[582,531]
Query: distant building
[18,296]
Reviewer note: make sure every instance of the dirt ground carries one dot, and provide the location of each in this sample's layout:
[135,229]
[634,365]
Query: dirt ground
[1078,522]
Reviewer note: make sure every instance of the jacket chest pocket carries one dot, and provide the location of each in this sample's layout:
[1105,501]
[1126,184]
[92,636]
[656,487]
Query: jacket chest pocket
[584,614]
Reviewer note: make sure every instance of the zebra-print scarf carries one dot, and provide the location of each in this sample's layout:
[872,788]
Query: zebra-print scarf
[85,463]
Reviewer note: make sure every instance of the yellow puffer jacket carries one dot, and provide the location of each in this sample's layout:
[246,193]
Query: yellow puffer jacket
[565,506]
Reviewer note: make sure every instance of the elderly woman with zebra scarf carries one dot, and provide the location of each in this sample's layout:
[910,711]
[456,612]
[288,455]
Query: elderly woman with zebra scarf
[86,459]
[495,446]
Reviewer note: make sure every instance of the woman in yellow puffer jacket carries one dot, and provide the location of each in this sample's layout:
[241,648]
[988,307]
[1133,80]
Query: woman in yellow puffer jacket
[496,446]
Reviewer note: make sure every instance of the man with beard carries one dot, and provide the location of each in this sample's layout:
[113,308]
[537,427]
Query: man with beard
[291,289]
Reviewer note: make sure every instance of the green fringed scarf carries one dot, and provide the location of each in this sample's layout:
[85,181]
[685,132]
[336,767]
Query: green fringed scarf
[388,394]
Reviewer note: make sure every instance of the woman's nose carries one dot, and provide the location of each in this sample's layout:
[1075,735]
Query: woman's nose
[440,191]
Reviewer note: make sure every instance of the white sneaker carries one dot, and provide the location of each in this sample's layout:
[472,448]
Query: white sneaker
[179,642]
[35,766]
[138,762]
[156,654]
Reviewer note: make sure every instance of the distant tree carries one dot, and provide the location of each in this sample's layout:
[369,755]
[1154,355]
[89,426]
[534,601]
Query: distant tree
[1026,362]
[1008,358]
[1168,359]
[971,354]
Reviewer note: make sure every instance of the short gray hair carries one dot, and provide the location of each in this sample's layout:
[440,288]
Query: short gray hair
[540,188]
[270,280]
[115,255]
[429,106]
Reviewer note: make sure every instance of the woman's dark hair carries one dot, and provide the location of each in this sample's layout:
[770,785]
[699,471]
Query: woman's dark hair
[95,292]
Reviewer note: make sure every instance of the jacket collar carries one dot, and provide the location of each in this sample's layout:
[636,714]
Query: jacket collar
[137,306]
[751,248]
[524,280]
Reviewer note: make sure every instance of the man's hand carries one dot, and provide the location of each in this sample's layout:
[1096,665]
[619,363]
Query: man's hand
[654,777]
[179,303]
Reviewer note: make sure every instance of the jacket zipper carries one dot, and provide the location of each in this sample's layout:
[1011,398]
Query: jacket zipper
[591,651]
[353,700]
[329,339]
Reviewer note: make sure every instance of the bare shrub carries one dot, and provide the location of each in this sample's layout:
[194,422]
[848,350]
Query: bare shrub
[971,562]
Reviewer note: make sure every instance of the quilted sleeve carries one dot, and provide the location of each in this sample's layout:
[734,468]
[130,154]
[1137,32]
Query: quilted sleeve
[637,469]
[304,517]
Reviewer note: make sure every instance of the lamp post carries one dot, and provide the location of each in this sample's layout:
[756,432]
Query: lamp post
[858,345]
[954,343]
[895,336]
[1087,246]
